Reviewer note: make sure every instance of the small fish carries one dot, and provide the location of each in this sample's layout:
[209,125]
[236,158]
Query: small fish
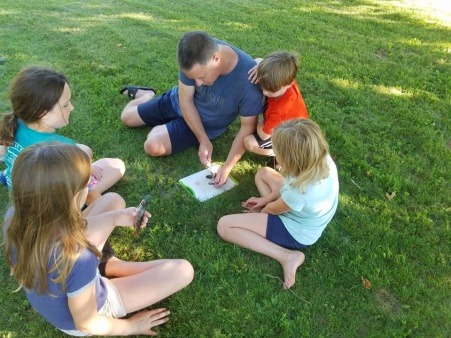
[213,170]
[140,213]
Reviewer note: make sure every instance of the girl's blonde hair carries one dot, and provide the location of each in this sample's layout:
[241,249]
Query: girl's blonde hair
[302,149]
[47,222]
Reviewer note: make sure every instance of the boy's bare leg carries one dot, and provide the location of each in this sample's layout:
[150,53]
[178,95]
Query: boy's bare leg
[251,145]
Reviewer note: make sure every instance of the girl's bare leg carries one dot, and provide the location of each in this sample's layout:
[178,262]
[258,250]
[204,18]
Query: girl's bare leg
[268,180]
[116,268]
[98,231]
[112,171]
[157,280]
[249,231]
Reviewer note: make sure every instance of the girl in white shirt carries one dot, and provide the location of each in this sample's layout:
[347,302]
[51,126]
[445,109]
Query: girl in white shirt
[295,205]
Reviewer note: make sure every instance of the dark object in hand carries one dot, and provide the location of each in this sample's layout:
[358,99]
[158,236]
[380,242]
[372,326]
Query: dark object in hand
[140,213]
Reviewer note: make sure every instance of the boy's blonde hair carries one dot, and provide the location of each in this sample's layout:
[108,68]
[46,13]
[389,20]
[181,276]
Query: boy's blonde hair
[46,222]
[276,70]
[302,149]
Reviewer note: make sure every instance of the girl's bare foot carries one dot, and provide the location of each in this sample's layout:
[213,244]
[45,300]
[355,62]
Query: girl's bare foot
[290,266]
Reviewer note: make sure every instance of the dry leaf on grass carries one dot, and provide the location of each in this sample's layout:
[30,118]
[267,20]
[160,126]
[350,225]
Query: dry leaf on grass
[366,283]
[390,196]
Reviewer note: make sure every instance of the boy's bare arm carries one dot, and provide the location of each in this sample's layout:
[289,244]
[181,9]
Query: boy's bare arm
[253,71]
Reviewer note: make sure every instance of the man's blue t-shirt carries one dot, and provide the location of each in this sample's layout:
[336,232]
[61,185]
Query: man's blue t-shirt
[229,96]
[25,137]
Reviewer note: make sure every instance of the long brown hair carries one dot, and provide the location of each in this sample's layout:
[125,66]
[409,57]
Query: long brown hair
[34,92]
[302,149]
[47,221]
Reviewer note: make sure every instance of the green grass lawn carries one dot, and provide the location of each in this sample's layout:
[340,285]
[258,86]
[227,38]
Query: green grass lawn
[375,75]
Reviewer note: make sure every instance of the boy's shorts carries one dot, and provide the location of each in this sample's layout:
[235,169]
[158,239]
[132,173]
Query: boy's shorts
[264,144]
[278,234]
[159,111]
[113,307]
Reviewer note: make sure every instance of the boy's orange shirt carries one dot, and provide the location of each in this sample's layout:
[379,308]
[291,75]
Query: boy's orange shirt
[289,106]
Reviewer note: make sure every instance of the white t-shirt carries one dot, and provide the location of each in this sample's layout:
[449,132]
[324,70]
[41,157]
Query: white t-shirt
[312,211]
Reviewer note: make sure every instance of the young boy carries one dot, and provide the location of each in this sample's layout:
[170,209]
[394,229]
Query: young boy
[276,74]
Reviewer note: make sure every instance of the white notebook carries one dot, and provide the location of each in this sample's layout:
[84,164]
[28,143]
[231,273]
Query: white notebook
[197,185]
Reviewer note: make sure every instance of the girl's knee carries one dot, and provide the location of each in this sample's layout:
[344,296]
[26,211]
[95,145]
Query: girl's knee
[119,165]
[186,271]
[222,226]
[114,200]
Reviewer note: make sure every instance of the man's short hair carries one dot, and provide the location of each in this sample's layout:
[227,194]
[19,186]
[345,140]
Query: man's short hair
[195,47]
[276,70]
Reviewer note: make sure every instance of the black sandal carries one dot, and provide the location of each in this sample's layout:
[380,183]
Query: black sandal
[131,90]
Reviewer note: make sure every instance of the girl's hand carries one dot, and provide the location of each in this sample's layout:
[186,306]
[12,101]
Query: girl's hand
[126,217]
[97,172]
[254,204]
[144,321]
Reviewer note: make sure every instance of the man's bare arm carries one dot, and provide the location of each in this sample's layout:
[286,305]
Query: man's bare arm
[192,118]
[248,125]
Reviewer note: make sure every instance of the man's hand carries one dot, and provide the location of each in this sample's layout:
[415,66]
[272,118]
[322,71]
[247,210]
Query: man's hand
[205,152]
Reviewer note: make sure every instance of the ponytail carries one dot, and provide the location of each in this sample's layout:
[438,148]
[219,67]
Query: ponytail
[8,127]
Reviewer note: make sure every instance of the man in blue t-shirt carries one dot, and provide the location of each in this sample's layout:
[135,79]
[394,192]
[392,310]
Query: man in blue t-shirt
[213,90]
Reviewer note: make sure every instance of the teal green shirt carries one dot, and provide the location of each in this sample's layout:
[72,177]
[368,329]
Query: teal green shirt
[25,137]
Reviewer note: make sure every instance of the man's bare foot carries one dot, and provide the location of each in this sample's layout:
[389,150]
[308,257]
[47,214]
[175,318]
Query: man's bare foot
[290,266]
[147,93]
